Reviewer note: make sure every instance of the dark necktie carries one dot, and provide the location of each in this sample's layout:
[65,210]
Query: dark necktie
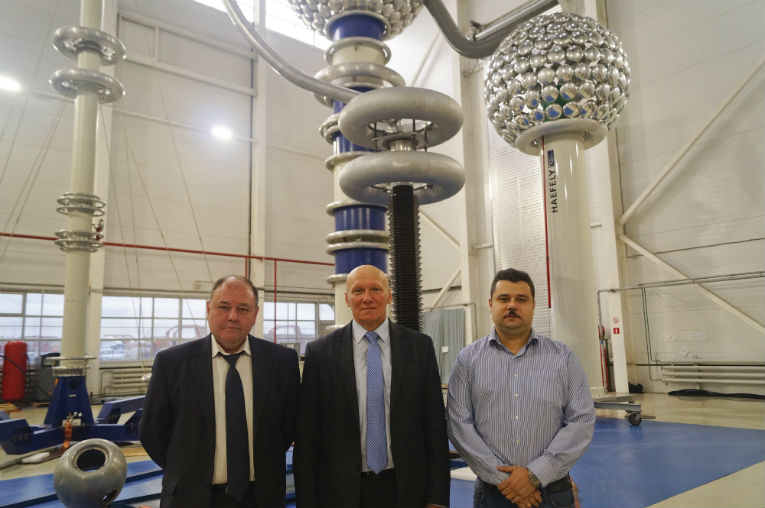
[237,446]
[377,446]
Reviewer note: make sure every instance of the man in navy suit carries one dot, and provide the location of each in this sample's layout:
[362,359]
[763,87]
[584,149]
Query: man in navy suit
[336,465]
[185,424]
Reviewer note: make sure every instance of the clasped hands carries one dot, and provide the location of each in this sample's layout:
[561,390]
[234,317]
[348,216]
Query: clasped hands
[517,488]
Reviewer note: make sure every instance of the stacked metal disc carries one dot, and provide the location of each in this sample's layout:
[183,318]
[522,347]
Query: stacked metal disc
[319,14]
[556,67]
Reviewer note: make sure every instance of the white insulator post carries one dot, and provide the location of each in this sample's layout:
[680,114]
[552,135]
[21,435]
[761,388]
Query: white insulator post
[572,287]
[88,87]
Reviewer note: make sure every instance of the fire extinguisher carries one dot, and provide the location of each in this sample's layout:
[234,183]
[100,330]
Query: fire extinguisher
[604,357]
[15,371]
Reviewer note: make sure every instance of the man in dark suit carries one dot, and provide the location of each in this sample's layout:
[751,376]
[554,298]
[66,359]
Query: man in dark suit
[371,425]
[219,413]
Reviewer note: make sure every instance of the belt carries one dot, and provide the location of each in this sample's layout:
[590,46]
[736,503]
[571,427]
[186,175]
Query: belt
[558,485]
[385,473]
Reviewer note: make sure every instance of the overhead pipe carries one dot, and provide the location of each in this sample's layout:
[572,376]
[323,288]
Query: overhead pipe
[175,249]
[278,64]
[496,31]
[508,21]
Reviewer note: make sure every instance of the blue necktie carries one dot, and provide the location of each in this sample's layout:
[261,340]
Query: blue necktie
[237,445]
[377,444]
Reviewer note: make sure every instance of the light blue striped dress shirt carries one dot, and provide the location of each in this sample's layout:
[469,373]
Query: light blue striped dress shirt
[531,409]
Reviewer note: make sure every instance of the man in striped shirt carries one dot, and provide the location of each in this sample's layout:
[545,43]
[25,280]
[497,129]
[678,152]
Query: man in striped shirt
[519,406]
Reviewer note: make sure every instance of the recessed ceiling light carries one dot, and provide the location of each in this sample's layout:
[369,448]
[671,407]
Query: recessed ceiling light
[9,84]
[221,132]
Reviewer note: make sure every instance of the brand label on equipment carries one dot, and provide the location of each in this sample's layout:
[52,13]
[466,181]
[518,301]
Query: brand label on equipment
[552,184]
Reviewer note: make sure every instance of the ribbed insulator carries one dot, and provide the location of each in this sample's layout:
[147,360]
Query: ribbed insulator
[404,229]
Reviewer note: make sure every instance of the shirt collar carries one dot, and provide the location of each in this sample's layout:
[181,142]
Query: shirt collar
[382,331]
[495,339]
[217,349]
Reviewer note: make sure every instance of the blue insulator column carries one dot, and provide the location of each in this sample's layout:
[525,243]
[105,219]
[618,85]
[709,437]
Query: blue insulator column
[357,60]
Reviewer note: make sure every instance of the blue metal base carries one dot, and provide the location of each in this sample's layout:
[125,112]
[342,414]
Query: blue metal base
[70,399]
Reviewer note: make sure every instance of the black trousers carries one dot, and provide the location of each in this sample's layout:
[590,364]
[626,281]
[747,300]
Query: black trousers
[379,491]
[221,499]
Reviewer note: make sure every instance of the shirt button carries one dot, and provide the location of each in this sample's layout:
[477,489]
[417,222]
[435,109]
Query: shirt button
[515,375]
[516,441]
[516,417]
[516,394]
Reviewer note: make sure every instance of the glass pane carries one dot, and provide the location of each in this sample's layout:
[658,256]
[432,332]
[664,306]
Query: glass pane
[32,327]
[52,321]
[193,308]
[282,310]
[112,328]
[268,311]
[10,330]
[53,305]
[307,329]
[144,349]
[166,328]
[193,329]
[10,303]
[160,344]
[112,350]
[34,304]
[121,306]
[306,310]
[292,311]
[50,332]
[326,312]
[166,307]
[283,330]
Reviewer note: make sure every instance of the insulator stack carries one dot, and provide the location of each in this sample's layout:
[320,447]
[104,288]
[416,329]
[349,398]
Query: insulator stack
[404,227]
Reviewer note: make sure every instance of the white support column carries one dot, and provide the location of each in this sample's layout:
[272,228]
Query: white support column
[81,181]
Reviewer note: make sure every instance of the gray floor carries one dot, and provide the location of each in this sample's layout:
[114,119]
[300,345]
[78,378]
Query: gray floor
[745,488]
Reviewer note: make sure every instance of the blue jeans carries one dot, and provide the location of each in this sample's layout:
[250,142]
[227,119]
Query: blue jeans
[487,495]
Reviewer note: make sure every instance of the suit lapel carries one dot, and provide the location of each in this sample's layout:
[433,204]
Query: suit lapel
[262,376]
[202,369]
[400,349]
[342,351]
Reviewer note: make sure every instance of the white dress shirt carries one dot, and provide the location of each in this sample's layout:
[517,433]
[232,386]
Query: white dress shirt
[220,368]
[360,346]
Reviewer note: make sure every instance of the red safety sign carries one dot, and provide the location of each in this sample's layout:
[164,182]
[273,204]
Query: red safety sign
[616,330]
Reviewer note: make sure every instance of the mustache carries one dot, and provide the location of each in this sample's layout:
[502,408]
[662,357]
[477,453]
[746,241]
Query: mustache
[512,314]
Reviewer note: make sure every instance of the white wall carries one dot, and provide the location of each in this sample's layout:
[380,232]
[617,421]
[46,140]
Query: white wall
[706,218]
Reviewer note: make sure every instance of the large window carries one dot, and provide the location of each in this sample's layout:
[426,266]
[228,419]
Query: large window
[132,328]
[135,328]
[296,323]
[280,17]
[35,318]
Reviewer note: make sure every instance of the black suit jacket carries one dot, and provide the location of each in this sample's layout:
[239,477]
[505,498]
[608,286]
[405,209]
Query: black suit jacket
[178,422]
[327,456]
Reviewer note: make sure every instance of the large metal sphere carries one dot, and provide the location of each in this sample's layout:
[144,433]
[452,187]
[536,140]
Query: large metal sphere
[90,474]
[554,68]
[396,14]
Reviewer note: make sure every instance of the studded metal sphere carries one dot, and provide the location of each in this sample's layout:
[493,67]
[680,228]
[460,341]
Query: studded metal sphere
[397,14]
[552,68]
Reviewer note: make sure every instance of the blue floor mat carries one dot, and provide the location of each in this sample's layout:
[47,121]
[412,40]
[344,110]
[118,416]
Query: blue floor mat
[634,466]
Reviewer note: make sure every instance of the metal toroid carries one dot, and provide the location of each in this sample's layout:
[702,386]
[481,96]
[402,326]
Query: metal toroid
[404,229]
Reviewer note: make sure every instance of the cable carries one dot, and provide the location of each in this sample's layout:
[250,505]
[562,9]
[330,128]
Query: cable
[692,392]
